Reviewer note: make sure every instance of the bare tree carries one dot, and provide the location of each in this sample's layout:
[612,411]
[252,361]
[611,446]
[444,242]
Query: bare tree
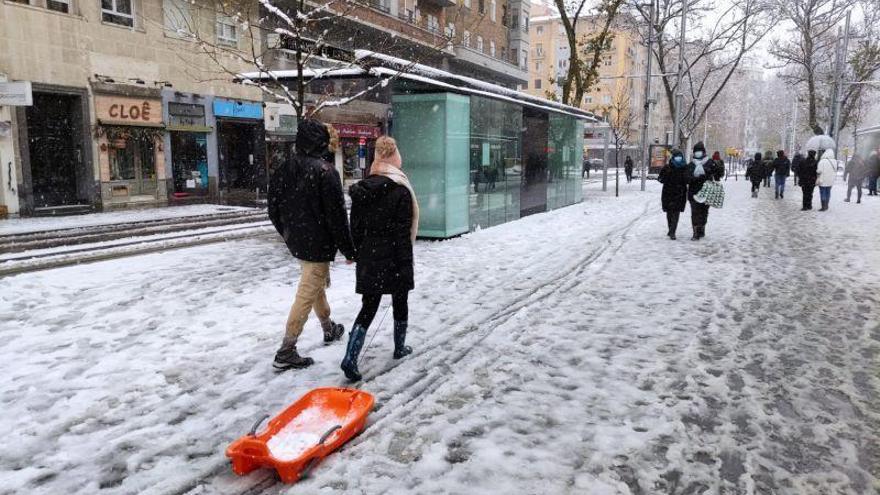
[720,41]
[585,51]
[621,119]
[311,33]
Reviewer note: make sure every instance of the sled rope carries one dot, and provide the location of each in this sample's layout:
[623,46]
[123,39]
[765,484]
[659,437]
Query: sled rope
[378,327]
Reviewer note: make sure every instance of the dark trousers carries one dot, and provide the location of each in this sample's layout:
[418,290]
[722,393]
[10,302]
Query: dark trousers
[808,195]
[699,214]
[672,220]
[767,181]
[370,304]
[858,186]
[629,175]
[872,185]
[780,185]
[756,186]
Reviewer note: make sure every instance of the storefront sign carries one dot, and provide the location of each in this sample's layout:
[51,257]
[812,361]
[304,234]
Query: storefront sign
[238,109]
[124,110]
[16,94]
[186,115]
[357,131]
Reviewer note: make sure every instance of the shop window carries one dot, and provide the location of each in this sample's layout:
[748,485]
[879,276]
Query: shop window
[178,18]
[537,84]
[122,160]
[118,12]
[227,30]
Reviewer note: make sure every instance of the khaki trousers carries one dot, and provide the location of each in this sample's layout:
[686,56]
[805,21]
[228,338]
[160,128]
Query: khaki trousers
[313,280]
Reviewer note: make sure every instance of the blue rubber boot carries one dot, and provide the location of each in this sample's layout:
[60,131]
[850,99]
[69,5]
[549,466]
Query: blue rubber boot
[400,350]
[355,344]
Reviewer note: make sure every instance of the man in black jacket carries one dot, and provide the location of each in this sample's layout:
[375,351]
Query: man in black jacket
[781,171]
[307,207]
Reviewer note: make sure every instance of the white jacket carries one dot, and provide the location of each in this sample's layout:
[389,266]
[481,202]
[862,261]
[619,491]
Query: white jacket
[827,169]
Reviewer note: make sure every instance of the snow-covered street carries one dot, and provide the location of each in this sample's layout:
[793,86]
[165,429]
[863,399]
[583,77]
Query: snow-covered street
[577,351]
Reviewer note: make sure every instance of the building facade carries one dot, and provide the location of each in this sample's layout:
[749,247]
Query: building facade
[123,111]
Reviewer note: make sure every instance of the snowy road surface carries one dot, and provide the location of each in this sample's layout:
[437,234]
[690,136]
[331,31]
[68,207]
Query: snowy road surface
[578,351]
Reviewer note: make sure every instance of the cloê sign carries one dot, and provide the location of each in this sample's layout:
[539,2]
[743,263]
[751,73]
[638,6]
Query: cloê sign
[124,110]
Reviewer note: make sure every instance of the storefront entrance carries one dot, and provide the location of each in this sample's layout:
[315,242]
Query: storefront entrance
[242,161]
[189,163]
[533,196]
[54,134]
[133,166]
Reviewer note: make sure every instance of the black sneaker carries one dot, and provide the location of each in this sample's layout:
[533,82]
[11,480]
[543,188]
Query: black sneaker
[334,333]
[288,358]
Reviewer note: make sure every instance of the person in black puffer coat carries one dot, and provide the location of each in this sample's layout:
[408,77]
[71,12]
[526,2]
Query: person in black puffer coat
[700,169]
[808,175]
[384,223]
[755,173]
[307,208]
[674,177]
[781,171]
[796,166]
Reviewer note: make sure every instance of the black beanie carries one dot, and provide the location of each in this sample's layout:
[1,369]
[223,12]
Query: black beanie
[700,147]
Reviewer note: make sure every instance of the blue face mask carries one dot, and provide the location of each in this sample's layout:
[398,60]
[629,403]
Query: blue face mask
[678,159]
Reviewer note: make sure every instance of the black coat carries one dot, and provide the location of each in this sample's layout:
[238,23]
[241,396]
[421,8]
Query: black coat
[675,184]
[381,218]
[713,171]
[306,204]
[873,166]
[856,170]
[628,165]
[808,172]
[755,172]
[796,164]
[781,167]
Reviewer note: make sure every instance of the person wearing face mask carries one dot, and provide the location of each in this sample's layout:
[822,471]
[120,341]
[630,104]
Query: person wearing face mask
[700,169]
[674,177]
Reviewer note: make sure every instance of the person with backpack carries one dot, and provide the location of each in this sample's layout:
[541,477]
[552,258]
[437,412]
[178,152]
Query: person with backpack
[781,171]
[384,224]
[307,208]
[755,173]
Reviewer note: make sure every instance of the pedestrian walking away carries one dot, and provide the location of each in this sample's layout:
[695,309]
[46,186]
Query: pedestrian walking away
[384,223]
[307,207]
[768,167]
[826,172]
[854,174]
[700,170]
[719,163]
[808,174]
[755,173]
[673,198]
[781,171]
[628,168]
[873,172]
[796,166]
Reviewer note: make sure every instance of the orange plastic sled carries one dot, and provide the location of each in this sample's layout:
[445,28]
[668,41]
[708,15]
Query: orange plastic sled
[296,440]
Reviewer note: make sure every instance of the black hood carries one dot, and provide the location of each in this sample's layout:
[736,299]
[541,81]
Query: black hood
[700,147]
[312,138]
[371,189]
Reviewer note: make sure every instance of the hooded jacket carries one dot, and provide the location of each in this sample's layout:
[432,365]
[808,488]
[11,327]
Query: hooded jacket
[807,170]
[826,169]
[381,222]
[675,179]
[306,204]
[755,171]
[781,166]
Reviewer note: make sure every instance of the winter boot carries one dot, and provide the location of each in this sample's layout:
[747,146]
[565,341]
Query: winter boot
[288,358]
[400,350]
[701,231]
[332,331]
[355,344]
[776,196]
[696,236]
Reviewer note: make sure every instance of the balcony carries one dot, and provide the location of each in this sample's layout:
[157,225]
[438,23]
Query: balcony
[493,64]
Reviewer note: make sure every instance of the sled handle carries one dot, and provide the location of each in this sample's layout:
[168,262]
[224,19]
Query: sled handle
[253,431]
[307,469]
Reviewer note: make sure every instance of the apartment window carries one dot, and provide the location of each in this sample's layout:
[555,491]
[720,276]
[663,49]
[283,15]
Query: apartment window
[492,48]
[524,85]
[540,29]
[433,23]
[481,6]
[467,3]
[524,59]
[537,66]
[178,18]
[492,6]
[608,62]
[588,99]
[514,18]
[58,5]
[537,84]
[227,31]
[525,23]
[480,44]
[606,99]
[117,12]
[466,39]
[539,49]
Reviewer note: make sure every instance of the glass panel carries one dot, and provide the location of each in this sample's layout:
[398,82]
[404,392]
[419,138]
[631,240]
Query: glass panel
[123,6]
[107,4]
[122,160]
[115,19]
[495,161]
[189,161]
[58,6]
[432,134]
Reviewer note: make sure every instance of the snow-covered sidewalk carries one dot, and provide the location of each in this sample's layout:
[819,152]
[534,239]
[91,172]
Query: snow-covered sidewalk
[41,224]
[577,351]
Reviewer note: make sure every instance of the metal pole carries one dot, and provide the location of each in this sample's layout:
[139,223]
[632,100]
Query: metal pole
[676,125]
[841,69]
[605,161]
[836,87]
[645,158]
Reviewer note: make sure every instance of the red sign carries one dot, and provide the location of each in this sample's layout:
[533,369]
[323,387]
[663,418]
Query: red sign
[357,131]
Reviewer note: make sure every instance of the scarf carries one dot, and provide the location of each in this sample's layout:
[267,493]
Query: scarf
[698,167]
[390,167]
